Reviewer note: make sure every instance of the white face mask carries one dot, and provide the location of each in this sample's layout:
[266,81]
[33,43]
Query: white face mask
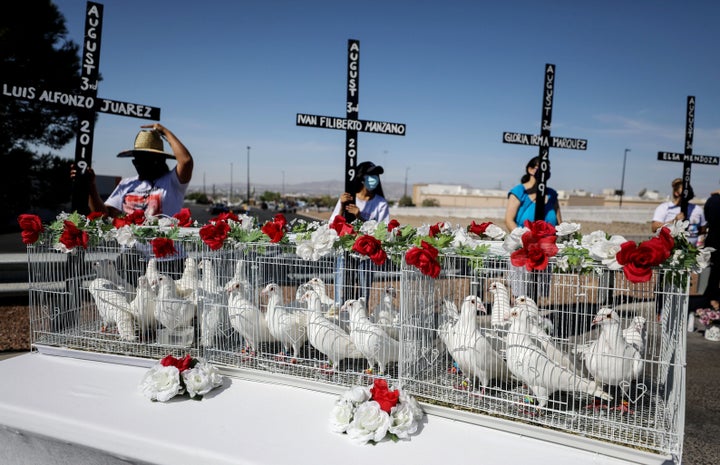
[371,182]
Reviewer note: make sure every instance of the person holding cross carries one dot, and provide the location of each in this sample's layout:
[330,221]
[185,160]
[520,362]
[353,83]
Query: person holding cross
[669,212]
[156,189]
[521,200]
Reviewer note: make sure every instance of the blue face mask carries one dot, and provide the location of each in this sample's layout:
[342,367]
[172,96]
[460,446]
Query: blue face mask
[371,182]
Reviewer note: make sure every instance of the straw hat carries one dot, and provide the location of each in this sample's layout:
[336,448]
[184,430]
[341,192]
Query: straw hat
[147,142]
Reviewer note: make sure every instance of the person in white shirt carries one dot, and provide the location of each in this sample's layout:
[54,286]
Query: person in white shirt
[669,212]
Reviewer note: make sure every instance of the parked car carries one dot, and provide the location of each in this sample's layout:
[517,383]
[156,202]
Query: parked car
[218,208]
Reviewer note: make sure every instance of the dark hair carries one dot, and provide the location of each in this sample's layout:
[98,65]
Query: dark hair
[361,171]
[534,162]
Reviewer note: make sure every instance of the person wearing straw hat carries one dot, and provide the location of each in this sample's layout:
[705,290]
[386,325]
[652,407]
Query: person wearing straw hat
[156,189]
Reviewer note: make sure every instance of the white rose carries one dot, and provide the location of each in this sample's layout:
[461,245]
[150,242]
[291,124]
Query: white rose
[423,230]
[678,228]
[161,383]
[370,423]
[565,229]
[357,394]
[462,238]
[494,232]
[60,247]
[201,379]
[513,241]
[246,222]
[125,236]
[703,259]
[562,263]
[606,250]
[412,404]
[304,250]
[340,416]
[323,241]
[589,239]
[402,421]
[167,221]
[369,227]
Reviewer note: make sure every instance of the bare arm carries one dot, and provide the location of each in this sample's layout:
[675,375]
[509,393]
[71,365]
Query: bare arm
[185,164]
[557,211]
[510,212]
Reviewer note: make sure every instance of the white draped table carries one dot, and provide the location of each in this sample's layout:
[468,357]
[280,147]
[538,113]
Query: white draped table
[62,410]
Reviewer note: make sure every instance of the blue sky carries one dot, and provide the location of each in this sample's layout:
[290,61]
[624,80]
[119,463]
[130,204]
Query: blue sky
[229,74]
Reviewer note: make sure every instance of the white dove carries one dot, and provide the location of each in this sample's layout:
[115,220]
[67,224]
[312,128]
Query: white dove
[374,343]
[188,282]
[113,307]
[319,287]
[287,326]
[611,359]
[143,305]
[106,268]
[326,336]
[239,280]
[500,305]
[171,310]
[386,315]
[152,274]
[528,361]
[246,318]
[472,352]
[539,317]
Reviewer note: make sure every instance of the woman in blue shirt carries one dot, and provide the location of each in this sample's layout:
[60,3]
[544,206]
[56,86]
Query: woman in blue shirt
[521,200]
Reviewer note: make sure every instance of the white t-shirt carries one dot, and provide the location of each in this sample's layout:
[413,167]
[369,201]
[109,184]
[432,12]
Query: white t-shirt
[374,209]
[164,196]
[666,212]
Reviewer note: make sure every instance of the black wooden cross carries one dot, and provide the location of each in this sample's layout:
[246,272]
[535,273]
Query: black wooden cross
[351,124]
[687,158]
[544,140]
[85,101]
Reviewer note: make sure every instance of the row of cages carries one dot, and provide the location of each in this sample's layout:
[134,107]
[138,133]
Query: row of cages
[591,354]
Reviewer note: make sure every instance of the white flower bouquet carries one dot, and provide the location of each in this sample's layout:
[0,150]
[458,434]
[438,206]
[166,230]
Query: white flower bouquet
[178,376]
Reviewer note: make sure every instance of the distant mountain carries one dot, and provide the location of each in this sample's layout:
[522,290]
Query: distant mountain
[393,190]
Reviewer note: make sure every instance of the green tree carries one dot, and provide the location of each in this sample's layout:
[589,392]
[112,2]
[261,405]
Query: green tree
[34,53]
[405,201]
[430,203]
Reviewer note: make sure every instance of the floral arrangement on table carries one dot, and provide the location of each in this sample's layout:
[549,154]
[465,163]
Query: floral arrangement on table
[708,316]
[372,413]
[179,376]
[530,246]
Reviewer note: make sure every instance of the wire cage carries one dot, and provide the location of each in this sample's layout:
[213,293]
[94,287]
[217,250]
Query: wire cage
[306,320]
[106,299]
[585,355]
[592,355]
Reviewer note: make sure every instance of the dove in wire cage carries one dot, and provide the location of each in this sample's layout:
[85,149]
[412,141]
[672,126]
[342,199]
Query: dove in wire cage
[115,299]
[590,355]
[335,322]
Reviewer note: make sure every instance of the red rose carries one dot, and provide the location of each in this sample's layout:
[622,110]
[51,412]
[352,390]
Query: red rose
[435,229]
[184,218]
[92,216]
[31,226]
[162,247]
[280,220]
[666,238]
[535,252]
[274,231]
[540,228]
[392,225]
[136,217]
[214,234]
[72,237]
[341,226]
[369,246]
[425,259]
[181,364]
[478,229]
[638,260]
[383,396]
[226,216]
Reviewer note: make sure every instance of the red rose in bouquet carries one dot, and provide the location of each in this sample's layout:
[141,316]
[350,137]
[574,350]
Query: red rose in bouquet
[72,237]
[31,226]
[535,252]
[436,229]
[181,364]
[425,259]
[214,234]
[392,225]
[384,396]
[225,216]
[280,220]
[478,229]
[92,216]
[638,260]
[540,228]
[274,231]
[184,218]
[369,246]
[136,217]
[162,247]
[341,226]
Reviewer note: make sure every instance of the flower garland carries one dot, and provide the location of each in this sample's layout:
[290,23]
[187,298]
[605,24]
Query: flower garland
[371,413]
[179,376]
[533,246]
